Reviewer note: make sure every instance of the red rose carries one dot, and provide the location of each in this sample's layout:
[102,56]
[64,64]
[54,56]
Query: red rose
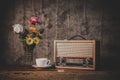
[33,20]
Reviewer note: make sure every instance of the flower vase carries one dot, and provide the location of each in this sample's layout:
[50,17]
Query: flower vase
[29,54]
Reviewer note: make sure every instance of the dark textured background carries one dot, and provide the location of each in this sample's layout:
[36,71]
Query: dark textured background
[93,19]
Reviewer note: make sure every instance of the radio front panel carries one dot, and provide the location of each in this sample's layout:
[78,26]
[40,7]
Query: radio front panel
[76,54]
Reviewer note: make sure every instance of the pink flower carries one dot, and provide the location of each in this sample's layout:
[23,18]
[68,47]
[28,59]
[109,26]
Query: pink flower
[33,20]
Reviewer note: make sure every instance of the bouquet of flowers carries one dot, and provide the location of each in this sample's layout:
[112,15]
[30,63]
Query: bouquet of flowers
[31,36]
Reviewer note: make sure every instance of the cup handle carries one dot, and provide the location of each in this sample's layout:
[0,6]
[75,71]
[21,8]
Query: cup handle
[48,62]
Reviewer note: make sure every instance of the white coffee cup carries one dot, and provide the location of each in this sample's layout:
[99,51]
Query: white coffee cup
[42,62]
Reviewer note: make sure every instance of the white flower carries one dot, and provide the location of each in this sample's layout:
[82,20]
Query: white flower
[18,28]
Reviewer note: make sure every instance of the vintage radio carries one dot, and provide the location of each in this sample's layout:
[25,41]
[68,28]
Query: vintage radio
[74,54]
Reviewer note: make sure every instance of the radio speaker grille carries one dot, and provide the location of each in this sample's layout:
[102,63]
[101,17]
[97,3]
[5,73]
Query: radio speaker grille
[75,48]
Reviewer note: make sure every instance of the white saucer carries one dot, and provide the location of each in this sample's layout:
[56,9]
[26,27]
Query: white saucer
[46,66]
